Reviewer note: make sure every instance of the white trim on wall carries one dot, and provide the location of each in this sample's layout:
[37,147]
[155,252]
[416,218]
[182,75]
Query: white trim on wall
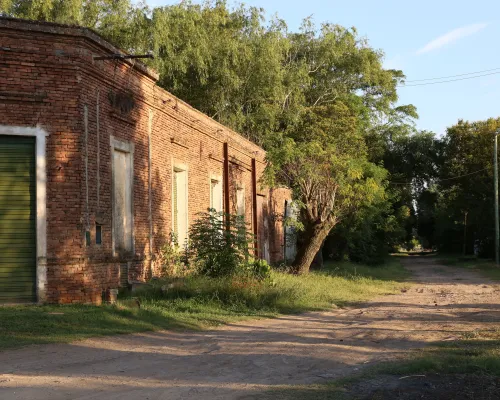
[41,201]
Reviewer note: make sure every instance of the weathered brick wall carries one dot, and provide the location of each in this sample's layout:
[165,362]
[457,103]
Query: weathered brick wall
[48,78]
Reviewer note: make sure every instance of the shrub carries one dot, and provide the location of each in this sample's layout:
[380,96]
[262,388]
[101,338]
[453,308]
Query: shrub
[259,269]
[216,250]
[168,260]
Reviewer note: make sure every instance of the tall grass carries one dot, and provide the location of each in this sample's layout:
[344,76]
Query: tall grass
[199,302]
[339,284]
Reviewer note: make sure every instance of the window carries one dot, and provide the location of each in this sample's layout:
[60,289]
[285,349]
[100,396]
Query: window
[216,193]
[179,205]
[98,234]
[240,200]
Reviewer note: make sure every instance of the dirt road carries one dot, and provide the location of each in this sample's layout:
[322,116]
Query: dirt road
[245,359]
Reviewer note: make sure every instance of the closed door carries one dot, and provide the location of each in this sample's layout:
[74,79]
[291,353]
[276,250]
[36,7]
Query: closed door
[180,207]
[216,194]
[122,202]
[290,232]
[17,219]
[262,229]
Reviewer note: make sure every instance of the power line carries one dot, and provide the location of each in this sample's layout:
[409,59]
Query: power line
[451,80]
[442,180]
[453,76]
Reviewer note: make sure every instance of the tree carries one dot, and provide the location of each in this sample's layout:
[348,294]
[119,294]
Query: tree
[123,23]
[239,79]
[466,186]
[323,160]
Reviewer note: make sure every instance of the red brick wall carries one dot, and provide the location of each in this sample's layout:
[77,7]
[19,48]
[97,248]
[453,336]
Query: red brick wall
[57,63]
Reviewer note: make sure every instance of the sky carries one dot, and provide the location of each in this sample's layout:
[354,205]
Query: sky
[425,39]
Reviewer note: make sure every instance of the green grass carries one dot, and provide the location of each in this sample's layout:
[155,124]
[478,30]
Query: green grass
[477,354]
[200,302]
[484,266]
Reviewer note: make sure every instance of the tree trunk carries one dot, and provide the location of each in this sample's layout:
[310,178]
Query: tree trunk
[317,263]
[313,239]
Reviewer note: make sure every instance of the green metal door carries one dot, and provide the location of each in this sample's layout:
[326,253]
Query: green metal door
[17,219]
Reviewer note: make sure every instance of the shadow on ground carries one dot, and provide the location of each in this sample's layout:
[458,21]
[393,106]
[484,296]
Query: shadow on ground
[295,354]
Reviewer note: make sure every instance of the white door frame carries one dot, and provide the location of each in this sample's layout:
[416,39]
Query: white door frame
[41,201]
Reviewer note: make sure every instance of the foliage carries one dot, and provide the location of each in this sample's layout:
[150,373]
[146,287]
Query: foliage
[124,23]
[368,235]
[323,160]
[466,186]
[169,260]
[259,269]
[221,243]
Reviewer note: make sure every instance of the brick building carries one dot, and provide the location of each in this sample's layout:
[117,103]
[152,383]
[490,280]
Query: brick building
[98,165]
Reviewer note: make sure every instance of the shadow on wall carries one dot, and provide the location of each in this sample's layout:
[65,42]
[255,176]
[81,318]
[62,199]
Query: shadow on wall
[89,195]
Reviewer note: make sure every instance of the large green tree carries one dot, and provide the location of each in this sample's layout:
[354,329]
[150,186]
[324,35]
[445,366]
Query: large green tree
[323,159]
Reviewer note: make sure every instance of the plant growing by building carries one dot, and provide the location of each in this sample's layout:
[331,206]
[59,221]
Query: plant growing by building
[220,243]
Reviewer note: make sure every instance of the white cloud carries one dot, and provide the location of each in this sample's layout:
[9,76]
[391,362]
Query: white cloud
[451,37]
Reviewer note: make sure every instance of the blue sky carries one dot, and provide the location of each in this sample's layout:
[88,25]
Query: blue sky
[425,39]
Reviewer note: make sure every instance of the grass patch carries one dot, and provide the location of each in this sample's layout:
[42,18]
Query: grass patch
[477,353]
[475,358]
[486,267]
[201,302]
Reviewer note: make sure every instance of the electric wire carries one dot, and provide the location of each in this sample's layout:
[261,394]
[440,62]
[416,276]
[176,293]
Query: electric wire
[453,76]
[450,80]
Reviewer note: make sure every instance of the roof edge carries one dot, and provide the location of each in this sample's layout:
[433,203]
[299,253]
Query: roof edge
[89,34]
[73,30]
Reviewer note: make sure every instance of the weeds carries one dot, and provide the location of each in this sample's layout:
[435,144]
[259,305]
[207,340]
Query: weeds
[198,302]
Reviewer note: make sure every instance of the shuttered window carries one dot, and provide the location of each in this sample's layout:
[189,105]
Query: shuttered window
[240,201]
[179,206]
[216,194]
[174,206]
[17,219]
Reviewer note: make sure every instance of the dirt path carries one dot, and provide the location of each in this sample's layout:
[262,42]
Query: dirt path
[241,360]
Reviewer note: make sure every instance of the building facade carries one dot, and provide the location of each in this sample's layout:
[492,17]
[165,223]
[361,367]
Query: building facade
[99,166]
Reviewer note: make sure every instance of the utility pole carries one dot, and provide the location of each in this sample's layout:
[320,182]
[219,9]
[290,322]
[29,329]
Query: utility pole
[465,233]
[497,227]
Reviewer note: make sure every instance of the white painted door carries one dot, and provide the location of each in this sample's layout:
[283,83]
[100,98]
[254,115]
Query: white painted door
[290,233]
[122,201]
[240,201]
[180,207]
[262,229]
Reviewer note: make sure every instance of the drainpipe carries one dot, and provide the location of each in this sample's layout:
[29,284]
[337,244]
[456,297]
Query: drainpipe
[227,211]
[254,208]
